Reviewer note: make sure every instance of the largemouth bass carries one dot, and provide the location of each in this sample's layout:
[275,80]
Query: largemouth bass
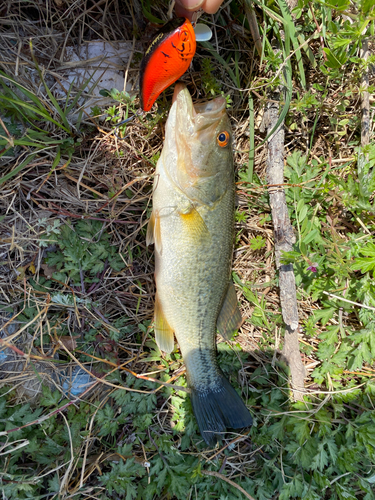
[192,228]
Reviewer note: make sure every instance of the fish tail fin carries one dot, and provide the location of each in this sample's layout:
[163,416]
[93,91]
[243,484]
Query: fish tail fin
[218,409]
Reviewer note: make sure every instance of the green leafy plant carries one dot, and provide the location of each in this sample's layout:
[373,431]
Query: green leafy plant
[209,82]
[51,234]
[84,251]
[257,243]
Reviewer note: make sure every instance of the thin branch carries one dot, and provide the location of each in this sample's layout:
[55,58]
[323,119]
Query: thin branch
[349,301]
[365,106]
[229,481]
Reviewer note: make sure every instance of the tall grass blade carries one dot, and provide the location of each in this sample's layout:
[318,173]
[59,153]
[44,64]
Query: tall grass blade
[250,166]
[79,93]
[253,25]
[60,112]
[290,31]
[42,113]
[21,88]
[209,46]
[15,171]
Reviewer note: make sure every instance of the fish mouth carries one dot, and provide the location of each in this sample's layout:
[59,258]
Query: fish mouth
[197,117]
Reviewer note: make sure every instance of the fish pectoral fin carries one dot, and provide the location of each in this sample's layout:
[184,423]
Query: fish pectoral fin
[229,319]
[163,332]
[153,235]
[195,225]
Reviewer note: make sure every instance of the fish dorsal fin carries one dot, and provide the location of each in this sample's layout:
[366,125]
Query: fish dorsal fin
[229,319]
[153,234]
[163,332]
[195,225]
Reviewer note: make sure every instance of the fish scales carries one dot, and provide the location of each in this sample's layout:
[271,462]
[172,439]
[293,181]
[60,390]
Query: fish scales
[192,226]
[191,290]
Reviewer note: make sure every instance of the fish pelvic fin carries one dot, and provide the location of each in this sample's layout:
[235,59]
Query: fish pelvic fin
[163,332]
[153,235]
[195,225]
[229,319]
[219,409]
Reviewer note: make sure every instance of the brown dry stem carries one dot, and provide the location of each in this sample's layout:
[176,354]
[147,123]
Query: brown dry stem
[365,105]
[229,481]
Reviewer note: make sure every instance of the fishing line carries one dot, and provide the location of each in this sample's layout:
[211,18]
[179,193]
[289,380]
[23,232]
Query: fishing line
[127,120]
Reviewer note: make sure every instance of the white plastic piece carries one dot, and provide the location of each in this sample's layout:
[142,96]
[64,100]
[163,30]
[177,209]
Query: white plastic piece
[102,63]
[202,32]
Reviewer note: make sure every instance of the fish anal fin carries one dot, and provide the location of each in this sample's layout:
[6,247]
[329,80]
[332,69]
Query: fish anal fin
[229,319]
[163,332]
[195,225]
[153,235]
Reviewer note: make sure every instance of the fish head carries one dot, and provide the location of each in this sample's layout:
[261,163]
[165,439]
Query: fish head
[198,147]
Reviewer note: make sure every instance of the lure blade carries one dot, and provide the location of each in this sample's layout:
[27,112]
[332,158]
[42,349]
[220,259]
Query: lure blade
[202,32]
[166,60]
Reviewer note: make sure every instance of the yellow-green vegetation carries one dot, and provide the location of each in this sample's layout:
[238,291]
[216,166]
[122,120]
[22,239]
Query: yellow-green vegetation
[76,277]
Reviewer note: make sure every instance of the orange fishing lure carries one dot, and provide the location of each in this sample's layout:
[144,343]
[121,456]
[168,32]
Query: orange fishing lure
[167,58]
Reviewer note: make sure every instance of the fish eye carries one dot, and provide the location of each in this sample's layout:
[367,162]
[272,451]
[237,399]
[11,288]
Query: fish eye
[223,139]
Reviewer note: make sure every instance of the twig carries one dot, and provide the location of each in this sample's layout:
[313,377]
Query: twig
[365,106]
[157,448]
[63,484]
[22,443]
[140,376]
[229,481]
[66,213]
[43,419]
[349,301]
[6,341]
[100,405]
[84,13]
[235,440]
[105,382]
[284,239]
[253,24]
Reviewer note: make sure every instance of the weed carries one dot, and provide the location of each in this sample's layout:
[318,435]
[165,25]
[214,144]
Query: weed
[23,106]
[209,82]
[84,252]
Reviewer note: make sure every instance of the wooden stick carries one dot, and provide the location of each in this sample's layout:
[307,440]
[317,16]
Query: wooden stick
[229,481]
[284,239]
